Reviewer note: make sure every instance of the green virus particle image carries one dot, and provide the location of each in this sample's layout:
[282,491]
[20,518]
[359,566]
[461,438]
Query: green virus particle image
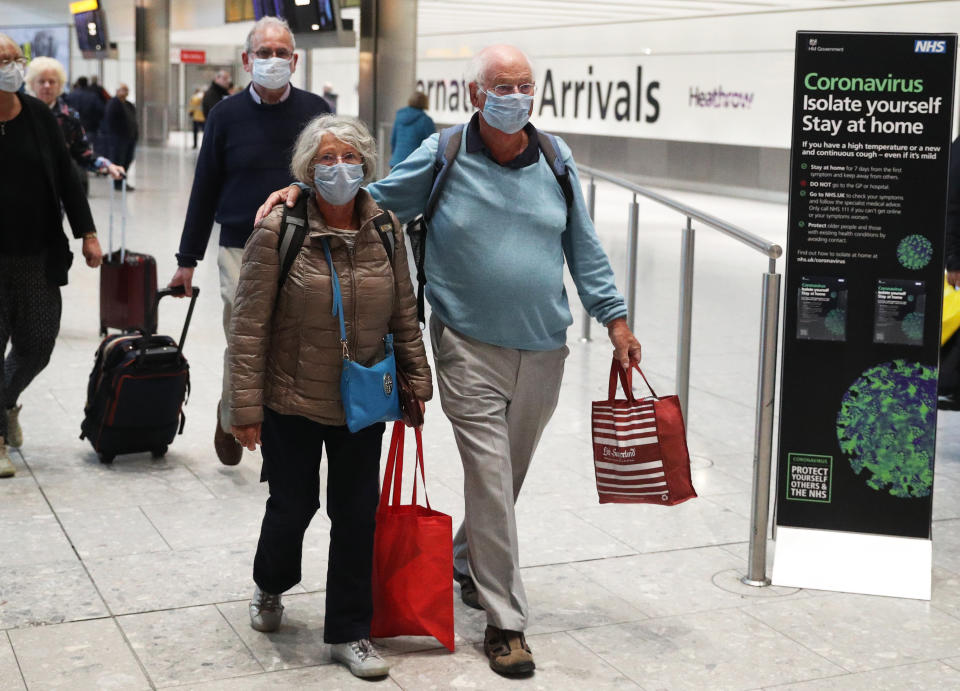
[912,326]
[914,252]
[886,426]
[836,322]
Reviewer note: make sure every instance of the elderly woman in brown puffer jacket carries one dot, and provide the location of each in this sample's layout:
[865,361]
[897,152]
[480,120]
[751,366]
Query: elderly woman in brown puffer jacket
[285,364]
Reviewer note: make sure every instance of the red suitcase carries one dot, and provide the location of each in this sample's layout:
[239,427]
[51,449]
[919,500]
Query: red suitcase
[128,281]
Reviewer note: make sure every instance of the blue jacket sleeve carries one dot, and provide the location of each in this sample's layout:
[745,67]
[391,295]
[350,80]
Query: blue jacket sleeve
[204,196]
[406,189]
[588,263]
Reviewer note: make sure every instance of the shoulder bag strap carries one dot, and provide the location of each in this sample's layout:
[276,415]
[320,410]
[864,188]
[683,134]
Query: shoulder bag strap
[385,229]
[337,298]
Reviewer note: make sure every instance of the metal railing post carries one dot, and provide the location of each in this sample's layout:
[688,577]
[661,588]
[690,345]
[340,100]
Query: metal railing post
[592,208]
[632,241]
[763,446]
[686,316]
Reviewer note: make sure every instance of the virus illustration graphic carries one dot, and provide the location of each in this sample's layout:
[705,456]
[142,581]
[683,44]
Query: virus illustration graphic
[912,325]
[914,252]
[836,322]
[885,425]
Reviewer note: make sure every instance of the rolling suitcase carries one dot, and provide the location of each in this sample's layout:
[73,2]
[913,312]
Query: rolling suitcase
[137,390]
[128,281]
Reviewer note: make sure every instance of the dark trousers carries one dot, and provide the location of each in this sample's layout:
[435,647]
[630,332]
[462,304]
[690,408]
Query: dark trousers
[30,309]
[197,128]
[291,457]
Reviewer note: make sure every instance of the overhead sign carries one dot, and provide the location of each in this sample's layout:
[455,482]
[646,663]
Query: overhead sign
[865,255]
[193,57]
[722,99]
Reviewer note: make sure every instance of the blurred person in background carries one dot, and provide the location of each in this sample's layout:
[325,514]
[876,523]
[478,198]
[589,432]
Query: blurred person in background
[218,90]
[410,127]
[88,105]
[120,131]
[35,254]
[196,113]
[45,79]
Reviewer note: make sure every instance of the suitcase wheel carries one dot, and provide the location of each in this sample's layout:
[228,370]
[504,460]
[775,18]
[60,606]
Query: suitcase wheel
[106,457]
[159,452]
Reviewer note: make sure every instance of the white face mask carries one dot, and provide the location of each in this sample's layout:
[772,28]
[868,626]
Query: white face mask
[11,77]
[272,73]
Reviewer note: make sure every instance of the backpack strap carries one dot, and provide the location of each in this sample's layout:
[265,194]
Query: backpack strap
[293,230]
[548,145]
[385,229]
[447,149]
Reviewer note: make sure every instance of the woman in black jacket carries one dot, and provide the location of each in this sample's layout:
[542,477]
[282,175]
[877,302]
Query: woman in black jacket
[34,251]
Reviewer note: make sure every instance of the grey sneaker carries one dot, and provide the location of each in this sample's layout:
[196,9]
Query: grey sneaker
[14,431]
[6,465]
[361,657]
[265,611]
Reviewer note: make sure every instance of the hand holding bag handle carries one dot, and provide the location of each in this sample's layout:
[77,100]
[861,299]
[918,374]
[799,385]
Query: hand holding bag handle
[626,381]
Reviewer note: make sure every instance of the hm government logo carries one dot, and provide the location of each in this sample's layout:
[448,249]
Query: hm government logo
[812,43]
[387,384]
[928,46]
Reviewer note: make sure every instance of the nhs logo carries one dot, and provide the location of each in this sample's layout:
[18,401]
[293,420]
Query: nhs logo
[927,46]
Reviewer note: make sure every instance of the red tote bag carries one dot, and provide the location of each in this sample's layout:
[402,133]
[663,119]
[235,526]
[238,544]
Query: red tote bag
[639,446]
[412,557]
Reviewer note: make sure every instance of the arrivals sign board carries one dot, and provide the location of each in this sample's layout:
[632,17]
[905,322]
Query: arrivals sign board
[864,277]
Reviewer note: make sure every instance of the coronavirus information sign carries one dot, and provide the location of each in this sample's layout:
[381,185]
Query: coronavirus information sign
[858,411]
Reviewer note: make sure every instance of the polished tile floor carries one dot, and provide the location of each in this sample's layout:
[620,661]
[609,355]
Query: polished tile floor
[136,575]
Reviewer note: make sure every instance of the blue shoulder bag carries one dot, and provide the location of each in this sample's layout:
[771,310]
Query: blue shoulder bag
[369,394]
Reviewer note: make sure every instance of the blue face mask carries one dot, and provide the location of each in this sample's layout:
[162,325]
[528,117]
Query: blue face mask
[338,184]
[507,113]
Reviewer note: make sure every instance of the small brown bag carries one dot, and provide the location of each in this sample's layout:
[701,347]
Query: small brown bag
[409,403]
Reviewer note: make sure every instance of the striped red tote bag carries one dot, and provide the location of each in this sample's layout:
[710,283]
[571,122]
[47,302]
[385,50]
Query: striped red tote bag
[639,446]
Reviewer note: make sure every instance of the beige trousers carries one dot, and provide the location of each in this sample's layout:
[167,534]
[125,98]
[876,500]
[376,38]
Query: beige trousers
[229,260]
[498,400]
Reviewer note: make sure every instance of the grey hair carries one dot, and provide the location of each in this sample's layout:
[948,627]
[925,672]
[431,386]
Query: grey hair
[42,64]
[347,129]
[480,65]
[262,24]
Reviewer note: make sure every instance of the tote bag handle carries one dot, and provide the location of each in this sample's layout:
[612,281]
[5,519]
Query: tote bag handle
[393,477]
[626,381]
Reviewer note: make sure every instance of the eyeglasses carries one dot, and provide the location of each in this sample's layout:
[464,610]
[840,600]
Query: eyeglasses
[22,62]
[265,53]
[331,159]
[507,89]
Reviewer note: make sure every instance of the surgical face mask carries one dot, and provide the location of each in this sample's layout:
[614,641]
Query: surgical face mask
[271,73]
[338,184]
[507,113]
[11,77]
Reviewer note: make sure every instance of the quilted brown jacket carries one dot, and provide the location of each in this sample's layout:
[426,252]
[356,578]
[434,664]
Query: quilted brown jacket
[285,353]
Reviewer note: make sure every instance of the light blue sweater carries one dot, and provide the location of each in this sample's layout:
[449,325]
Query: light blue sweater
[496,247]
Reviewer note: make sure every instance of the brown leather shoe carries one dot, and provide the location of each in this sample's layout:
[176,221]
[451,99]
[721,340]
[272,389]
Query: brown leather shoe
[228,448]
[468,590]
[507,651]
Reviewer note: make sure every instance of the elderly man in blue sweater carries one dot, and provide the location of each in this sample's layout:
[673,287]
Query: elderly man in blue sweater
[495,252]
[247,144]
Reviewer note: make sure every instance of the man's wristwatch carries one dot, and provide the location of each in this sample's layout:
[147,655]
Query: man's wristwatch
[87,236]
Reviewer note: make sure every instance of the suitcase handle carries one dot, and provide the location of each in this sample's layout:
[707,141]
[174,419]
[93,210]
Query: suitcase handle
[123,217]
[179,290]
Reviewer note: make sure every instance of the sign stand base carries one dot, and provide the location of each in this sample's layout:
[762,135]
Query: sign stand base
[853,562]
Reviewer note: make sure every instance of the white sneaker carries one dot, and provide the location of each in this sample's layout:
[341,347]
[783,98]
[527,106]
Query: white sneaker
[361,657]
[7,468]
[266,612]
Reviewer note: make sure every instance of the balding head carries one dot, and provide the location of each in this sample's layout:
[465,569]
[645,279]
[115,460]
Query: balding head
[9,49]
[493,62]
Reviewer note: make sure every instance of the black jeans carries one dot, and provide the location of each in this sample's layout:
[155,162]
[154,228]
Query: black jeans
[291,456]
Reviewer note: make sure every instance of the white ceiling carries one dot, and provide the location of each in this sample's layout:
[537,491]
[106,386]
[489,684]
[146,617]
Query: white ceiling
[469,16]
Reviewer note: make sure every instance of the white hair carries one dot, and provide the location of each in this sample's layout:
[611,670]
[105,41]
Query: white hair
[347,129]
[42,64]
[264,23]
[480,65]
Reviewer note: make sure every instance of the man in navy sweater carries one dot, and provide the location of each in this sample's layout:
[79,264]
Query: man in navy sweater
[247,144]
